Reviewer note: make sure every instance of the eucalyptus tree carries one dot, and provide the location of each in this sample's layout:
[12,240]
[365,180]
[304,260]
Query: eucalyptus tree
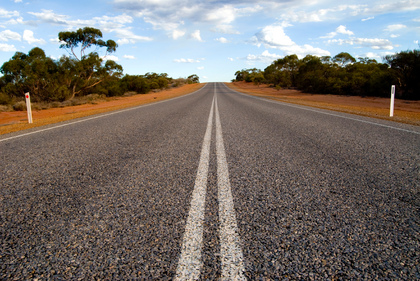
[87,69]
[85,38]
[406,68]
[33,72]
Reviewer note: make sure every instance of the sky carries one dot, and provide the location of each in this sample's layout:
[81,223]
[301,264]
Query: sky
[213,38]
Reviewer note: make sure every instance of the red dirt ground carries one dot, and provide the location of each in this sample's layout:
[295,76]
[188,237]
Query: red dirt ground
[405,111]
[17,120]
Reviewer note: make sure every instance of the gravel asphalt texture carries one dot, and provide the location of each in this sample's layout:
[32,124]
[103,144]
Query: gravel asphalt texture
[318,195]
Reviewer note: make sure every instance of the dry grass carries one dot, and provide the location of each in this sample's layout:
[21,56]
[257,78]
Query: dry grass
[17,120]
[405,111]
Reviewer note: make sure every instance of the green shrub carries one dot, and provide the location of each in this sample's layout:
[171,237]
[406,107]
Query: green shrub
[4,99]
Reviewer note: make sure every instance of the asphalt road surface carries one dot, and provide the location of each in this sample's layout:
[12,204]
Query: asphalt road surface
[215,185]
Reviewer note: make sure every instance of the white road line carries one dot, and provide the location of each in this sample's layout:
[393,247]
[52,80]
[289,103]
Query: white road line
[190,262]
[230,249]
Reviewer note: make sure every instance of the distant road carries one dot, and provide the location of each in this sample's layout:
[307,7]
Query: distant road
[212,185]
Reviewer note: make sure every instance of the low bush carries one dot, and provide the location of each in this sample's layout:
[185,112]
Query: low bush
[19,106]
[6,108]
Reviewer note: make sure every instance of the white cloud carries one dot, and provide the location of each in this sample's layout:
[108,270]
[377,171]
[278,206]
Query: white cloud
[390,6]
[163,15]
[105,23]
[306,49]
[369,18]
[122,19]
[18,1]
[320,15]
[109,24]
[273,36]
[55,41]
[186,60]
[342,30]
[221,40]
[28,36]
[196,35]
[226,29]
[200,67]
[223,15]
[306,11]
[8,14]
[110,57]
[7,48]
[48,16]
[128,37]
[265,57]
[371,55]
[129,57]
[339,30]
[115,24]
[177,34]
[18,20]
[394,27]
[374,43]
[7,35]
[231,59]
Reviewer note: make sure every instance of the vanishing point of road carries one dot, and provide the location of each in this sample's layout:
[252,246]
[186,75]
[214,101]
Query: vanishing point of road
[214,185]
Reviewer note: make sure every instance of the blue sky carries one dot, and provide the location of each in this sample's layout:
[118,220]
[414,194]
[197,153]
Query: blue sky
[214,38]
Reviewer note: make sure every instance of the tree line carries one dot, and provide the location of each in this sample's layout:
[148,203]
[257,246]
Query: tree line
[343,75]
[81,73]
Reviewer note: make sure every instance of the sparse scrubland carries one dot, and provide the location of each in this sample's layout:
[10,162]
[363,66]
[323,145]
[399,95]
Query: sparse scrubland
[342,75]
[82,77]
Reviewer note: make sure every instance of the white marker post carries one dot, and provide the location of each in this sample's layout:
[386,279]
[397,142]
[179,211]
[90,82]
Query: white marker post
[28,107]
[391,110]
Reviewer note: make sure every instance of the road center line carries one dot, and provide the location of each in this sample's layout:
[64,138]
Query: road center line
[230,249]
[190,261]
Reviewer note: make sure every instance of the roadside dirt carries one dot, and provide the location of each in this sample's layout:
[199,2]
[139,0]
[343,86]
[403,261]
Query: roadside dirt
[405,111]
[17,120]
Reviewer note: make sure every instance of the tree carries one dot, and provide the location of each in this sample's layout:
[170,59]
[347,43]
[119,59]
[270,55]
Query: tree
[85,37]
[34,73]
[258,78]
[239,75]
[340,75]
[343,59]
[283,72]
[406,66]
[14,75]
[87,70]
[193,79]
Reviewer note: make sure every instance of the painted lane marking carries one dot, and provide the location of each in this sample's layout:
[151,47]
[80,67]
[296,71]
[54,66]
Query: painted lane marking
[190,261]
[230,249]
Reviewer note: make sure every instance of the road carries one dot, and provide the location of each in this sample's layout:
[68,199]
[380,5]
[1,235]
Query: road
[212,185]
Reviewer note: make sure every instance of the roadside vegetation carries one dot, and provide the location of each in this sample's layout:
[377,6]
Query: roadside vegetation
[81,77]
[342,75]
